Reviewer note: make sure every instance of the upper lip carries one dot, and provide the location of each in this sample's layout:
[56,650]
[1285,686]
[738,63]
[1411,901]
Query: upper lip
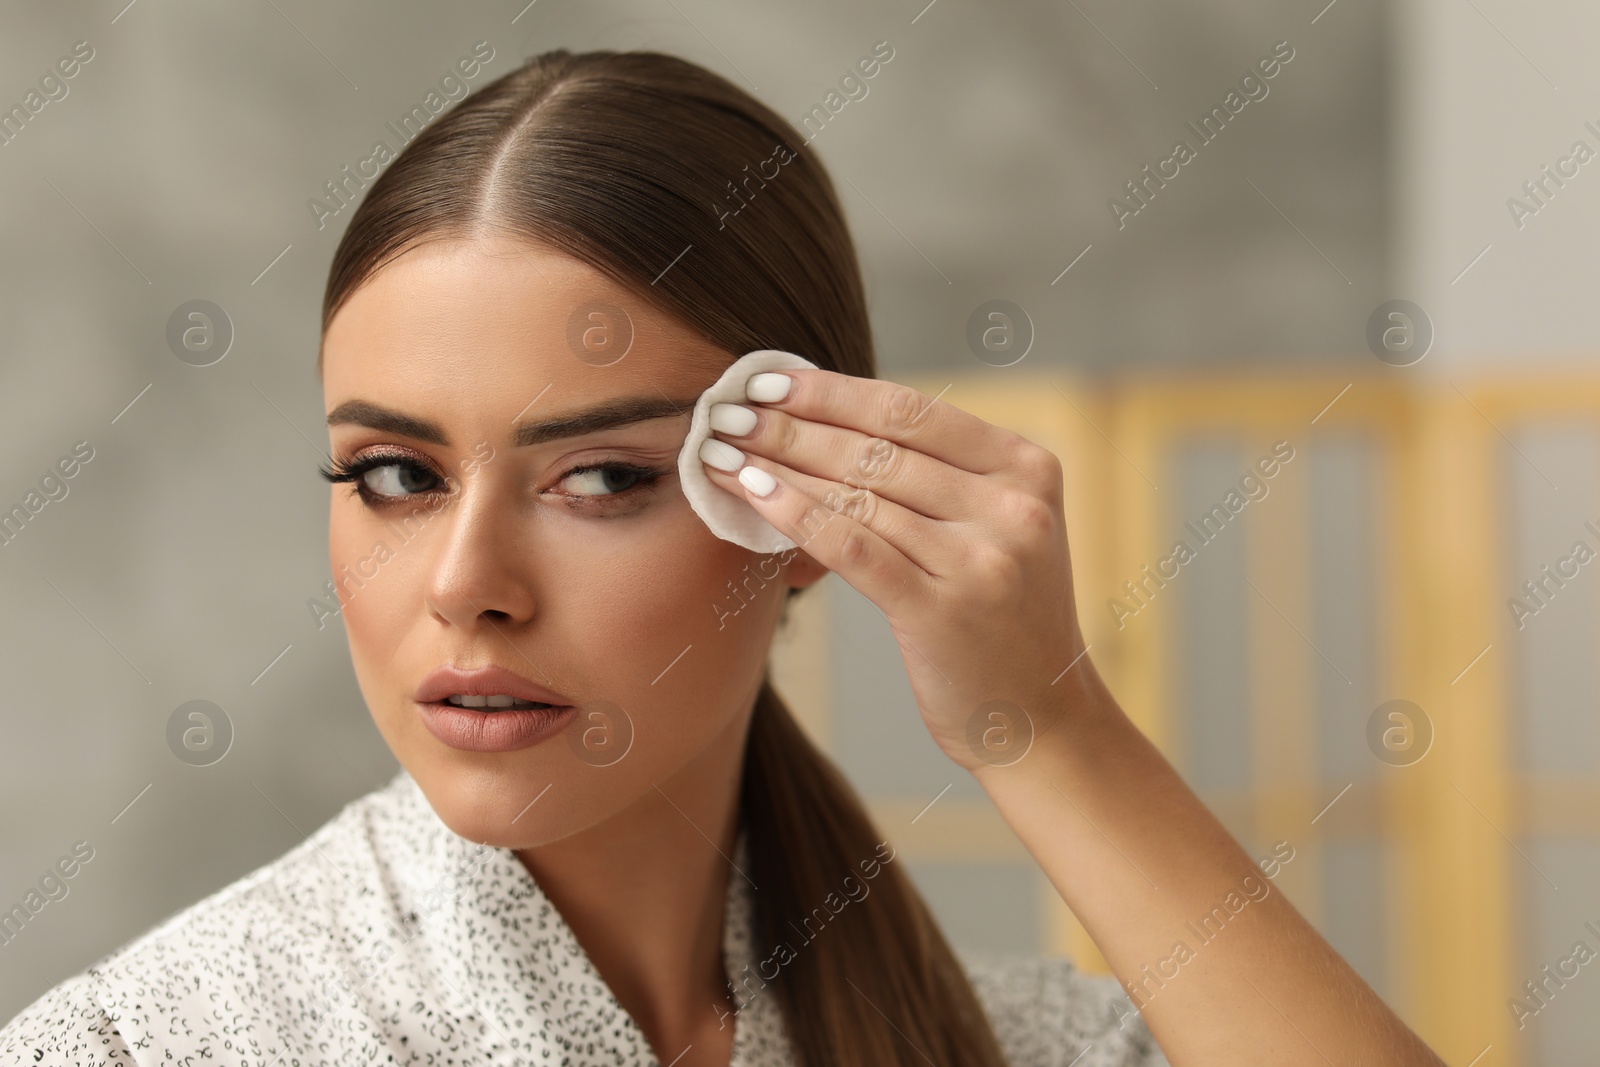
[445,681]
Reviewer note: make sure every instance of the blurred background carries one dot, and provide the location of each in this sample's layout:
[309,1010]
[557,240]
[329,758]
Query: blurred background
[1371,272]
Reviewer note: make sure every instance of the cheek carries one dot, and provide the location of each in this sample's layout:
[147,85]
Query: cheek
[653,622]
[371,579]
[672,583]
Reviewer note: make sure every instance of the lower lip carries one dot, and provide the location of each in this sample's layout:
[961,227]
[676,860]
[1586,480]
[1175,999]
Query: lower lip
[507,730]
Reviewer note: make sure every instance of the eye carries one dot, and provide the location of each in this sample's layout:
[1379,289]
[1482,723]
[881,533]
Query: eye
[603,477]
[383,477]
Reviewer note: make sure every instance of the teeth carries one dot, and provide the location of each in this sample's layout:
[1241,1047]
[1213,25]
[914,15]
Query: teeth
[497,700]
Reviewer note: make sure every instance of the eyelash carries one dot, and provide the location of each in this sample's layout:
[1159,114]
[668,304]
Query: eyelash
[343,471]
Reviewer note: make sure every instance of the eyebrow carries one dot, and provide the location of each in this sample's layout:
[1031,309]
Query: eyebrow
[621,411]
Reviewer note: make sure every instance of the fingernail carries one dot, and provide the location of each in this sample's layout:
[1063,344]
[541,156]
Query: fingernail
[735,419]
[767,387]
[720,454]
[757,480]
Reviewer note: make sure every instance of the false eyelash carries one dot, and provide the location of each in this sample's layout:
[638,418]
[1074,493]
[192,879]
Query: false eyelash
[340,471]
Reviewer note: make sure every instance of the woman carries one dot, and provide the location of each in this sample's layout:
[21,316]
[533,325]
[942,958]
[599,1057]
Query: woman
[610,843]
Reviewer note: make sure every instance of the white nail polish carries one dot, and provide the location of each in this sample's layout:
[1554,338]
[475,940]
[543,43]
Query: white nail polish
[735,419]
[758,481]
[720,454]
[767,387]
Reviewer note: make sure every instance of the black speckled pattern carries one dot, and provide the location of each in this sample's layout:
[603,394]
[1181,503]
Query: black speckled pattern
[385,938]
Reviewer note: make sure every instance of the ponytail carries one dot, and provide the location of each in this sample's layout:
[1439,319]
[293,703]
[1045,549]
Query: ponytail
[874,984]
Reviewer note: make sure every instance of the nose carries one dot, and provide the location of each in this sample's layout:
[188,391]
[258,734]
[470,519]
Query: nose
[478,573]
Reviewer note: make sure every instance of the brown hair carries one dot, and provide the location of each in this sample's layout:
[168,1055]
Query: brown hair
[626,160]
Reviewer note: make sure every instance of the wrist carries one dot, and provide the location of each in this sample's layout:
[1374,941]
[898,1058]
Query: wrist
[1072,723]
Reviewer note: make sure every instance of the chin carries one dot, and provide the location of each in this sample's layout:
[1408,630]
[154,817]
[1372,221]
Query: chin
[488,800]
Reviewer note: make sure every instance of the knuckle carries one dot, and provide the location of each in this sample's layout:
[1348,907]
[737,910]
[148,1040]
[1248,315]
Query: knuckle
[1026,518]
[855,548]
[1050,469]
[815,520]
[780,433]
[995,573]
[1036,462]
[861,507]
[905,406]
[873,458]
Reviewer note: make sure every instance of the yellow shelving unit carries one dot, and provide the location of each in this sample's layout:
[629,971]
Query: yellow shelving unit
[1445,823]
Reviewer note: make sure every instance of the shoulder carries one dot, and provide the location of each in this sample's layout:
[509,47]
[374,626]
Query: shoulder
[232,969]
[67,1024]
[1047,1013]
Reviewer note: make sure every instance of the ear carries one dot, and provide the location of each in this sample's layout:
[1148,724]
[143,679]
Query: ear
[802,571]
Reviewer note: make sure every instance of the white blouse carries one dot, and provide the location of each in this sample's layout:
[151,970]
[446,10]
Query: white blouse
[387,938]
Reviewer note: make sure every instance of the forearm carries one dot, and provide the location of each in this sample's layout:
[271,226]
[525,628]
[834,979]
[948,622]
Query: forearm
[1142,863]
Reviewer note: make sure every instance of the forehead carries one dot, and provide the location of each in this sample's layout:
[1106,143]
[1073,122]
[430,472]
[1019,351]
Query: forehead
[500,318]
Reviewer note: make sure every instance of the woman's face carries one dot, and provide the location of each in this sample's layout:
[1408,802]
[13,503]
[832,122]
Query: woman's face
[602,586]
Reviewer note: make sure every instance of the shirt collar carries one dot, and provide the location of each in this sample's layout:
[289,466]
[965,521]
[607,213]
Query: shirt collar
[515,965]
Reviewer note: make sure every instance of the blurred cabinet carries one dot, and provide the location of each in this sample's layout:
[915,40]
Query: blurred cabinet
[1333,659]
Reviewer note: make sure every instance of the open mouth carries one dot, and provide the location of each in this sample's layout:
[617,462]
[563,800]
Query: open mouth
[494,703]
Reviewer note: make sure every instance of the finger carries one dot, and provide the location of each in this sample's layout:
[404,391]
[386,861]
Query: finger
[874,567]
[900,414]
[915,536]
[856,462]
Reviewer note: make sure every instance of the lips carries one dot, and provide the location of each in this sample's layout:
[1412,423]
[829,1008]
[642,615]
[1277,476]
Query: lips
[490,729]
[445,681]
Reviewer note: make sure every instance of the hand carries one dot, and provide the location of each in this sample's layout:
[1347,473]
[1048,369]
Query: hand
[952,526]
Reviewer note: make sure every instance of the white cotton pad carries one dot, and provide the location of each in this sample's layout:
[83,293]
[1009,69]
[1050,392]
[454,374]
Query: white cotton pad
[728,516]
